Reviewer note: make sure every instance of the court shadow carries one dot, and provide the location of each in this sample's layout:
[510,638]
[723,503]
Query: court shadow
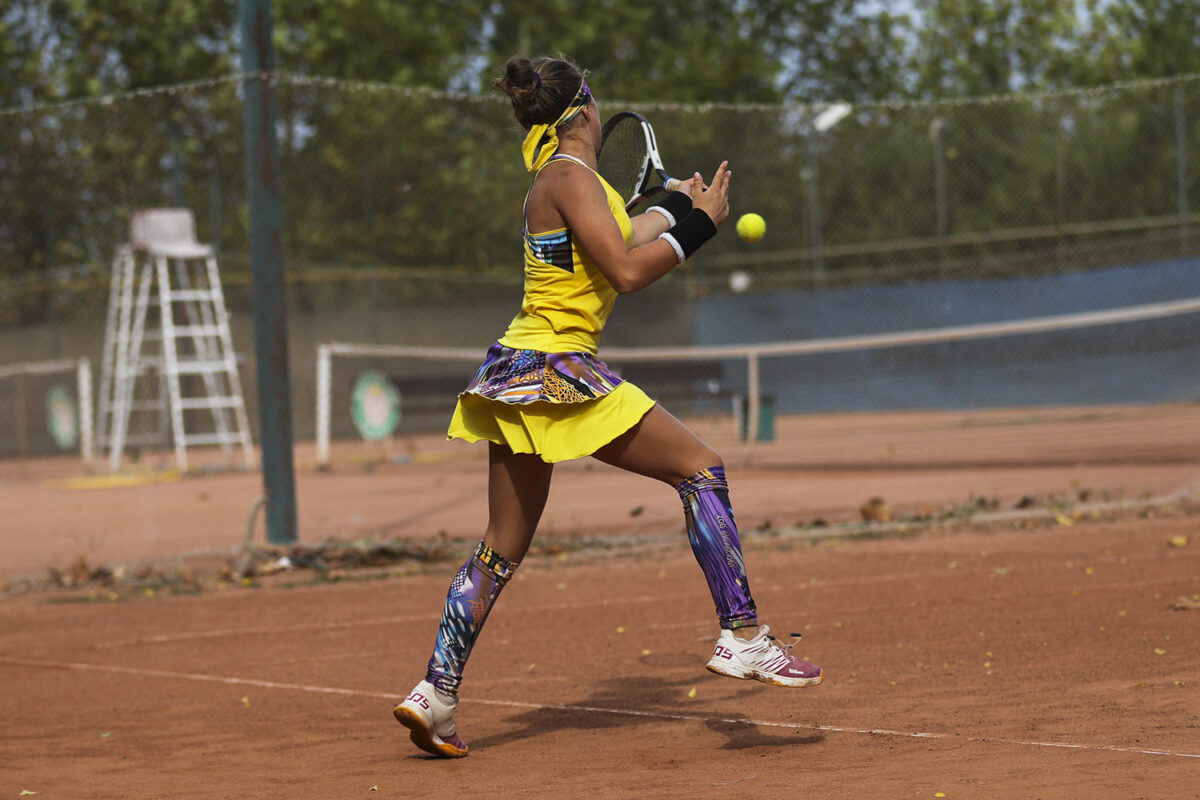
[743,734]
[626,703]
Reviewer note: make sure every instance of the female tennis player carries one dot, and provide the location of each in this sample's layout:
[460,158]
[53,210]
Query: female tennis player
[542,396]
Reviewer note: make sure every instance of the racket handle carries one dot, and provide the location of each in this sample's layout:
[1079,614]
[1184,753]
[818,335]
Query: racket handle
[672,184]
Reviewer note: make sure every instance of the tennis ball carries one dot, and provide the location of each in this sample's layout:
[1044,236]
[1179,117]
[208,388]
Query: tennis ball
[751,227]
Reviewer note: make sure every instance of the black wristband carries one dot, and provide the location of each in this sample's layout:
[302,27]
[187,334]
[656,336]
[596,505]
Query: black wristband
[689,233]
[674,207]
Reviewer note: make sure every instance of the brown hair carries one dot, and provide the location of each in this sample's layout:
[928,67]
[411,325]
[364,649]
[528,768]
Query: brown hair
[540,89]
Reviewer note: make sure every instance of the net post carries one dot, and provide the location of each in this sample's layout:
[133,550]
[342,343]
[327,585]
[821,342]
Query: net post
[83,373]
[324,387]
[753,394]
[21,417]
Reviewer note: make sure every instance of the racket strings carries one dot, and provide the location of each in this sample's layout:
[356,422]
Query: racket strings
[624,157]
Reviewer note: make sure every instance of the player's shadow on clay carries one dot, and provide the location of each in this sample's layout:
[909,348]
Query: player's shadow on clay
[624,703]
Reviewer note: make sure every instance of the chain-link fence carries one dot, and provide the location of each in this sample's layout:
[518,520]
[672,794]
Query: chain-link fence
[402,212]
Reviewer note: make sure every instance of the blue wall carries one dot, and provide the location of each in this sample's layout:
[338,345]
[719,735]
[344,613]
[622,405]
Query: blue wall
[1152,361]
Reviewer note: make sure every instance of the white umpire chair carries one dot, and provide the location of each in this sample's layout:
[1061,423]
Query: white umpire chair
[168,351]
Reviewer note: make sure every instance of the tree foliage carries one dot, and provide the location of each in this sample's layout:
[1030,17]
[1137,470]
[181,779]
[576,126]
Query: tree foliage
[971,47]
[362,166]
[1141,39]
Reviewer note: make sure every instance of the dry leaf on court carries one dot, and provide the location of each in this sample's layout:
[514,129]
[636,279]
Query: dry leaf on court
[1185,603]
[692,693]
[1178,541]
[246,702]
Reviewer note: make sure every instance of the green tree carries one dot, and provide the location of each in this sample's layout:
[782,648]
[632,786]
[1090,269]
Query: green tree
[845,50]
[981,47]
[404,43]
[110,45]
[1131,39]
[706,50]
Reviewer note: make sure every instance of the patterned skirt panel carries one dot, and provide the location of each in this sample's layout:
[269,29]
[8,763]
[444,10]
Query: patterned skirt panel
[517,377]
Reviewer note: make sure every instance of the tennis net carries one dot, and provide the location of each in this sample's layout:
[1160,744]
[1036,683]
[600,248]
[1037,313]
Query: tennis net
[1105,386]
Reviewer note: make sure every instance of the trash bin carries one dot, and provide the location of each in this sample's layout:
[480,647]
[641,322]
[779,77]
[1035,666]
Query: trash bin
[766,418]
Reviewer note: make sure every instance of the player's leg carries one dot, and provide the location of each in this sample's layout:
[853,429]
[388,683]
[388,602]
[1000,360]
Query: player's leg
[518,484]
[662,447]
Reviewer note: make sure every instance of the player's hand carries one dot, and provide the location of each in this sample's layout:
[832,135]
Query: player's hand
[713,200]
[686,186]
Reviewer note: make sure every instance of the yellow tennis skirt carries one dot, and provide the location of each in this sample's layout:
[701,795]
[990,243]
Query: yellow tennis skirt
[554,431]
[557,405]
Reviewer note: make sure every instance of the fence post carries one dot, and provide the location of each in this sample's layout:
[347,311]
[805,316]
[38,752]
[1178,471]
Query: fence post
[266,257]
[1182,170]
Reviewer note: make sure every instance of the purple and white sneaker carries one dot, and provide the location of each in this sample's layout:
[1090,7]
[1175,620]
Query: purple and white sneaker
[429,716]
[762,659]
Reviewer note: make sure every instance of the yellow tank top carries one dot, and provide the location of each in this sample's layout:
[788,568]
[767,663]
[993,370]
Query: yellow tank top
[567,299]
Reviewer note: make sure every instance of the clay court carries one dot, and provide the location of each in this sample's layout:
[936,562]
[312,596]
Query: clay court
[954,386]
[979,652]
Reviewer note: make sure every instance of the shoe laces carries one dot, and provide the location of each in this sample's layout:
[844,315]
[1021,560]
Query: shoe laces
[789,645]
[773,653]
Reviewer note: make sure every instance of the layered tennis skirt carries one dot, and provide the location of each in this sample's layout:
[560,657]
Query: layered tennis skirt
[558,405]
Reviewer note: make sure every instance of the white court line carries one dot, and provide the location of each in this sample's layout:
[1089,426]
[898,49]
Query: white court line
[297,687]
[168,638]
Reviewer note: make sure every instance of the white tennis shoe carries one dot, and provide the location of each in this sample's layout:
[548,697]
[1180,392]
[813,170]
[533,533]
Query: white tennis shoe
[429,717]
[762,659]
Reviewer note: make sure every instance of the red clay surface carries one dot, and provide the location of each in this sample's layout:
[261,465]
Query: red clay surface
[1039,662]
[1027,659]
[818,469]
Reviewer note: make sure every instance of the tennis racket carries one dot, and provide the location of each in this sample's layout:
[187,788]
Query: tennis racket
[629,159]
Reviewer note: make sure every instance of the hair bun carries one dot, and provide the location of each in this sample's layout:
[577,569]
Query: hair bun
[539,89]
[521,78]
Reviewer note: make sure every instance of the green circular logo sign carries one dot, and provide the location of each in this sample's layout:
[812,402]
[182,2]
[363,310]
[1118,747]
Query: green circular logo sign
[61,419]
[375,406]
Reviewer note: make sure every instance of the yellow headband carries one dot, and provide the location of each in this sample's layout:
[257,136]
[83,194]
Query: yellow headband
[542,140]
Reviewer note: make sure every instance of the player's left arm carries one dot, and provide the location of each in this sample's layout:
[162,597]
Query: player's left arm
[649,225]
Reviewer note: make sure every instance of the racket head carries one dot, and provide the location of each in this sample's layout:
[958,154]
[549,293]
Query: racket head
[624,159]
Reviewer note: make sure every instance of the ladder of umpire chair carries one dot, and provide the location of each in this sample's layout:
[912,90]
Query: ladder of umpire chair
[207,325]
[163,248]
[196,290]
[113,368]
[114,327]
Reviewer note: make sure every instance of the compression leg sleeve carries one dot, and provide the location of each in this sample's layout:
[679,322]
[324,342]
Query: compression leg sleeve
[715,543]
[472,593]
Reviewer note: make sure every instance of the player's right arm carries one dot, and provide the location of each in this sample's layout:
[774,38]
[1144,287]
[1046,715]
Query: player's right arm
[581,202]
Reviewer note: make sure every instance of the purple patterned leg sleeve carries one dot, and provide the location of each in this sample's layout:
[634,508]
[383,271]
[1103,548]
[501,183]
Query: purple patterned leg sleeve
[472,593]
[714,539]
